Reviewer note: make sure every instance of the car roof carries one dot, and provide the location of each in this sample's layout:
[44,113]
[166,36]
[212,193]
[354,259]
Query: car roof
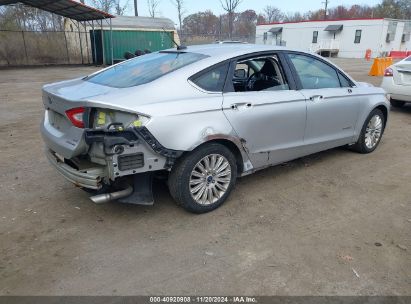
[229,50]
[217,53]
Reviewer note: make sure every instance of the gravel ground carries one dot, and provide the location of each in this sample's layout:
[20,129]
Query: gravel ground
[334,223]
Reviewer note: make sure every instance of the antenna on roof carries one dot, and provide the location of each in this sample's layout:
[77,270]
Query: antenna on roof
[179,46]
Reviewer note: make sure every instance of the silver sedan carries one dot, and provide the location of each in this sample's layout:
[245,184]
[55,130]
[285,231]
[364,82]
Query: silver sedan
[201,117]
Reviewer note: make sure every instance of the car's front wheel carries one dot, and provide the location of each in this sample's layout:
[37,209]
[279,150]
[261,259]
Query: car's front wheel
[397,103]
[202,180]
[371,132]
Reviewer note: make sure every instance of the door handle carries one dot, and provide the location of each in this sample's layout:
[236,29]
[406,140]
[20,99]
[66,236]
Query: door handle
[235,106]
[316,97]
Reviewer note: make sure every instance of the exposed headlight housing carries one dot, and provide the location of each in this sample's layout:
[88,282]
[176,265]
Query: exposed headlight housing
[118,120]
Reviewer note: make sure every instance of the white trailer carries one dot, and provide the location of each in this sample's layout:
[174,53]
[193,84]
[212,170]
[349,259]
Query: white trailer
[341,38]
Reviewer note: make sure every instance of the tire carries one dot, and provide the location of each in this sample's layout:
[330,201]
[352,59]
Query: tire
[364,145]
[397,103]
[182,174]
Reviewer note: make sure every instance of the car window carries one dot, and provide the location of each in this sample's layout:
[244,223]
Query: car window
[143,69]
[249,70]
[345,83]
[313,73]
[213,79]
[264,74]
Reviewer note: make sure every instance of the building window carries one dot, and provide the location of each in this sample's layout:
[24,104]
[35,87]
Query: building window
[407,32]
[265,36]
[392,28]
[357,36]
[315,36]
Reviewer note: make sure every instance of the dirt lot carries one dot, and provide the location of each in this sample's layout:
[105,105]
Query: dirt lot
[303,228]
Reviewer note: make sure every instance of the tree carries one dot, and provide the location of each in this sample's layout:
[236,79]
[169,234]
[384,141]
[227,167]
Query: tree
[244,24]
[104,5]
[230,6]
[261,19]
[294,17]
[201,23]
[120,10]
[272,14]
[152,7]
[179,4]
[110,6]
[397,9]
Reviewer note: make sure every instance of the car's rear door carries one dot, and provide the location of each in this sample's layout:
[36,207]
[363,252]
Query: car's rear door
[270,122]
[332,102]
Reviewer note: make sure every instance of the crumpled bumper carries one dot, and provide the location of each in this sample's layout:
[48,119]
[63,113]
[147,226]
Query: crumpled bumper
[90,178]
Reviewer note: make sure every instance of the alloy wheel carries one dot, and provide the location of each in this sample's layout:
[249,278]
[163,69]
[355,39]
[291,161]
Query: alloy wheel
[210,179]
[373,131]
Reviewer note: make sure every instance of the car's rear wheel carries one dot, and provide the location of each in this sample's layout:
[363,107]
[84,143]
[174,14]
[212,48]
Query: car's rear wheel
[371,132]
[202,180]
[397,103]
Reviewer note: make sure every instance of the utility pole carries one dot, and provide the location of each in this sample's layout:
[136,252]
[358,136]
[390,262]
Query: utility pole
[325,10]
[135,8]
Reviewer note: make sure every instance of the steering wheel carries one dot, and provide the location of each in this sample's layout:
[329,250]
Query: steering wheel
[249,85]
[259,76]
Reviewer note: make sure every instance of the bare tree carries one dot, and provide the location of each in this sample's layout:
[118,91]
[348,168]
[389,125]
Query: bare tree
[104,5]
[272,14]
[110,6]
[179,4]
[152,7]
[230,6]
[120,9]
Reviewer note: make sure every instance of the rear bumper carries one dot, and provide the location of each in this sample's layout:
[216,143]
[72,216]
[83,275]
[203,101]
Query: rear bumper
[90,178]
[398,92]
[406,98]
[69,143]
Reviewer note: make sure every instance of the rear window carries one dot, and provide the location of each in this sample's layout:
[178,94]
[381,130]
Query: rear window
[144,69]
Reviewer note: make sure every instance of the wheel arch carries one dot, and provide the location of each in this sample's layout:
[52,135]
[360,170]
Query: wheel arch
[384,111]
[235,147]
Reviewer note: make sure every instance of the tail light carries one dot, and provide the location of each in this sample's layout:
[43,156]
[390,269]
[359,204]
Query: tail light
[388,72]
[76,117]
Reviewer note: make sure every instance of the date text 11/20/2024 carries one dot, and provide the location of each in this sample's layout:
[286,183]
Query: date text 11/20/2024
[238,299]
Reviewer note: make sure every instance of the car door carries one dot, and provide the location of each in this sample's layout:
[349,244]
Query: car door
[332,102]
[270,120]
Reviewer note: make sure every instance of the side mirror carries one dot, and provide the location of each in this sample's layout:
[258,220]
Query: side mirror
[240,73]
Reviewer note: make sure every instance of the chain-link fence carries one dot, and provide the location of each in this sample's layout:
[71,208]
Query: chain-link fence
[38,48]
[65,47]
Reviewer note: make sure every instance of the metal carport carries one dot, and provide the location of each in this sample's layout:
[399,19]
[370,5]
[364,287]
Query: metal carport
[72,10]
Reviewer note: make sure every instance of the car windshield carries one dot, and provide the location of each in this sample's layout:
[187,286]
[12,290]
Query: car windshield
[408,59]
[143,69]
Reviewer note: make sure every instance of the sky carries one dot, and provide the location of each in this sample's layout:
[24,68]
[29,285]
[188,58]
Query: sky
[167,9]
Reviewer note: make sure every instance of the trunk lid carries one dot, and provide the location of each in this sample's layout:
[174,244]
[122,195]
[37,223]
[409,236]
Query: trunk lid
[403,73]
[58,132]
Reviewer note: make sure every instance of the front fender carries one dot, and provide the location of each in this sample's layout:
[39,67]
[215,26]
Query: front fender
[373,101]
